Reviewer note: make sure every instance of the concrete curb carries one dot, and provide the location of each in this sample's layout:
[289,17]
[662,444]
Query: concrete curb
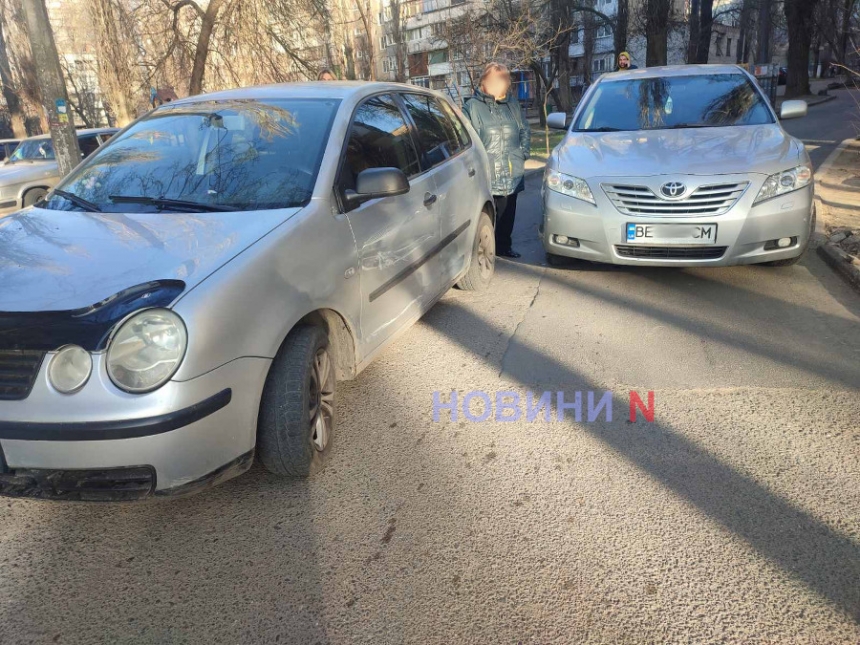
[823,99]
[819,177]
[841,263]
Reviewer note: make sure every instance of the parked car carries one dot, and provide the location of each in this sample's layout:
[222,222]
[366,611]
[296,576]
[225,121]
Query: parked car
[678,166]
[31,170]
[782,77]
[189,295]
[7,147]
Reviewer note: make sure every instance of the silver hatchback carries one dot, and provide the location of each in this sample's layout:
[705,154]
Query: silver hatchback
[678,166]
[189,296]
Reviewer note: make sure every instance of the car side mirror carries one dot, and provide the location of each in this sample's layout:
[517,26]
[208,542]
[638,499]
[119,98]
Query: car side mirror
[557,121]
[374,183]
[793,109]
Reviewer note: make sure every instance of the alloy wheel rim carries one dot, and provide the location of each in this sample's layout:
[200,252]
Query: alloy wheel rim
[321,411]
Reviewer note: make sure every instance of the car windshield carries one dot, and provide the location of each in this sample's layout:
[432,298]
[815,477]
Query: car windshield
[211,155]
[33,150]
[701,101]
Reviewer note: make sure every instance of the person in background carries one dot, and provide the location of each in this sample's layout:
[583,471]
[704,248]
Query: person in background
[499,121]
[624,62]
[326,75]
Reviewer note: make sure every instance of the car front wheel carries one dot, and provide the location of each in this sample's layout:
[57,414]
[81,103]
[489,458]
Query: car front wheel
[297,413]
[483,263]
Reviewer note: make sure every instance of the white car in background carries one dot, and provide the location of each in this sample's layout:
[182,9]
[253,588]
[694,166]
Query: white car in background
[31,170]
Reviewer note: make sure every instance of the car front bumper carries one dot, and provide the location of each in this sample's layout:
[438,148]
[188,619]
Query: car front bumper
[103,444]
[742,231]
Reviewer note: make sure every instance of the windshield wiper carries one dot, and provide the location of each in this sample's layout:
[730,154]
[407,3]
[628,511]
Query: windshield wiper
[682,126]
[604,128]
[77,201]
[166,202]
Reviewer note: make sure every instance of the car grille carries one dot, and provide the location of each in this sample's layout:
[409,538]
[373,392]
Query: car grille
[671,252]
[18,371]
[714,199]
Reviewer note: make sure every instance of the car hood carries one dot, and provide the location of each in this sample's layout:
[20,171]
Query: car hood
[22,171]
[60,260]
[763,149]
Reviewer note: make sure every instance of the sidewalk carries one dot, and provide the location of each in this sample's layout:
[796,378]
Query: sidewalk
[837,196]
[815,86]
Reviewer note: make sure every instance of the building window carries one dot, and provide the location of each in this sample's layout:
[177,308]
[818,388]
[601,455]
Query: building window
[604,31]
[439,56]
[728,46]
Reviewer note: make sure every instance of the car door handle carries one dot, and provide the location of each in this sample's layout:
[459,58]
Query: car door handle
[429,199]
[471,172]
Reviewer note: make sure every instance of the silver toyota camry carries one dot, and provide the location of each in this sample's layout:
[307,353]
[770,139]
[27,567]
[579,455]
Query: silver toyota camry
[678,166]
[189,296]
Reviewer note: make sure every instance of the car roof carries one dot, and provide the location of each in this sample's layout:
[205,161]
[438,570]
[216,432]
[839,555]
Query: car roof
[306,90]
[81,132]
[670,71]
[10,140]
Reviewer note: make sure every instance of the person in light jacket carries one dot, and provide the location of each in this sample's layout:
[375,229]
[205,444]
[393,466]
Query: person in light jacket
[499,121]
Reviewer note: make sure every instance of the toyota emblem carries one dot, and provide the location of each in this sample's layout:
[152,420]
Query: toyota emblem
[673,189]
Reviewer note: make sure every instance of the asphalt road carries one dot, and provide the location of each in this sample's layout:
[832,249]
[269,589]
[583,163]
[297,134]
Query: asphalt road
[733,518]
[828,124]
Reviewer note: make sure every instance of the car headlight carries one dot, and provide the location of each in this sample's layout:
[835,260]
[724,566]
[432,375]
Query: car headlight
[146,350]
[70,369]
[567,185]
[785,182]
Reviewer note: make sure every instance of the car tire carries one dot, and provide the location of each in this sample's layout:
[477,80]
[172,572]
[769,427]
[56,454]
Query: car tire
[791,261]
[297,418]
[483,263]
[33,195]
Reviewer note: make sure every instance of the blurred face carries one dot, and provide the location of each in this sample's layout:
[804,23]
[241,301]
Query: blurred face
[327,77]
[497,84]
[623,61]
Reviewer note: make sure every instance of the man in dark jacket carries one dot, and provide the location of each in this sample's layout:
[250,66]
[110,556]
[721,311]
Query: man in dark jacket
[499,121]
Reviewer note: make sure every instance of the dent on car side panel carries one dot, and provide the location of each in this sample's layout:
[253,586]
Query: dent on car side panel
[249,305]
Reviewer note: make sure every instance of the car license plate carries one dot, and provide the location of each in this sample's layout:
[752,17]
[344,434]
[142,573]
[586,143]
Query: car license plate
[661,234]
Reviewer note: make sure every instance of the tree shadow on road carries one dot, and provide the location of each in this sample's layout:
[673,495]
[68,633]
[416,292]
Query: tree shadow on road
[824,560]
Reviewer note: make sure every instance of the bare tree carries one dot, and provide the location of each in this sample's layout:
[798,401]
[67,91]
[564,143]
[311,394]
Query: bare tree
[117,64]
[10,92]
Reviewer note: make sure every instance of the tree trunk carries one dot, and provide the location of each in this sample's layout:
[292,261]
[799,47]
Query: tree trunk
[763,20]
[845,31]
[13,101]
[201,52]
[622,18]
[706,24]
[743,36]
[798,15]
[588,35]
[114,65]
[562,52]
[695,21]
[657,14]
[55,100]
